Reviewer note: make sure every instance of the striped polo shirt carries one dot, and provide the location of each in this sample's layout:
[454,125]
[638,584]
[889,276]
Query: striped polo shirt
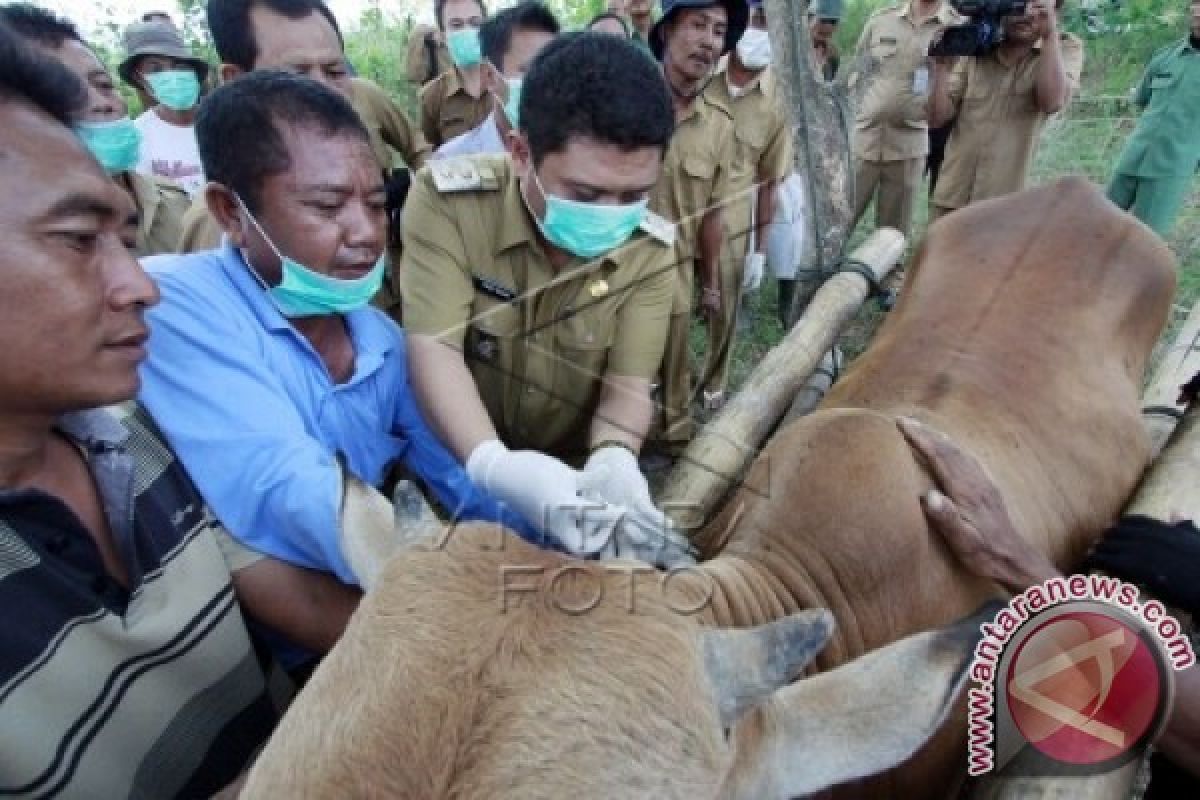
[150,692]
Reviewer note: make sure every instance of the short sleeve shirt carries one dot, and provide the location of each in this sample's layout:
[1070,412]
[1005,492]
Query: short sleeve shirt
[762,145]
[696,176]
[150,691]
[387,126]
[891,122]
[447,109]
[997,125]
[538,342]
[1166,142]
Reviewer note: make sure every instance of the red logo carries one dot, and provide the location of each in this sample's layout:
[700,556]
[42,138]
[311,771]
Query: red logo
[1085,688]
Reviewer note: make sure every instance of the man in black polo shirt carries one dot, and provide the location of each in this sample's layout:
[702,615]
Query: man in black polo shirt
[126,669]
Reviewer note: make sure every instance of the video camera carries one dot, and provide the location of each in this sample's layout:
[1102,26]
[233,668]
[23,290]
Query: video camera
[981,35]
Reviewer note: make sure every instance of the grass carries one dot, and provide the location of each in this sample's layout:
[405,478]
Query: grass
[1085,140]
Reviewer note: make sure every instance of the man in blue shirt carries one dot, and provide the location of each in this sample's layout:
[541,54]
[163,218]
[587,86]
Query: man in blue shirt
[266,364]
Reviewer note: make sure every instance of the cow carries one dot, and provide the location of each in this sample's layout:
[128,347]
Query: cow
[479,666]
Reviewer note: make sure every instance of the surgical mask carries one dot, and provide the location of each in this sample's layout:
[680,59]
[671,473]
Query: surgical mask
[307,293]
[587,229]
[754,49]
[117,145]
[464,47]
[512,106]
[177,89]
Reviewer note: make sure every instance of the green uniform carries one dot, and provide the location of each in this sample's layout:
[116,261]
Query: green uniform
[1154,173]
[539,341]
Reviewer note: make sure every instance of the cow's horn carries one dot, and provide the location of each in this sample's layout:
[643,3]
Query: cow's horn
[745,665]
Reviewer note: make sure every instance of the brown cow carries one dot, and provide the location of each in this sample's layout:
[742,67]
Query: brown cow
[1023,331]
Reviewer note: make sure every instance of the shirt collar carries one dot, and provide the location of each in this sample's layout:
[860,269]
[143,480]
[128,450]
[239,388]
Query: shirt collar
[734,92]
[94,428]
[372,341]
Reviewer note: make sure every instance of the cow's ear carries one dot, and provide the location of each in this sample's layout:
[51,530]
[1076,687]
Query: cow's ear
[854,721]
[747,665]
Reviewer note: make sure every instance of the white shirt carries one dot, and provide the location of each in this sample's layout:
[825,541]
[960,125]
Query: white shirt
[170,152]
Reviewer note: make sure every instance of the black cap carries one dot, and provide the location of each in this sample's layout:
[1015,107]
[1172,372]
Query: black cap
[739,16]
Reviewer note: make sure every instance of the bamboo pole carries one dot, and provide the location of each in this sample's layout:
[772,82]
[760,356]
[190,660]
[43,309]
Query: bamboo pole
[1181,361]
[1169,488]
[719,455]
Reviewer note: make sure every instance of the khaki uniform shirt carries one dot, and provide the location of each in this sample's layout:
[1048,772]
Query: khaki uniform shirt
[537,341]
[161,208]
[416,62]
[997,125]
[892,58]
[387,126]
[762,145]
[696,175]
[448,110]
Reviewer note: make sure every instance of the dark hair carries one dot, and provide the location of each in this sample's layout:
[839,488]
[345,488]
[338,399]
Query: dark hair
[495,37]
[28,76]
[233,35]
[39,26]
[238,127]
[595,85]
[440,5]
[609,15]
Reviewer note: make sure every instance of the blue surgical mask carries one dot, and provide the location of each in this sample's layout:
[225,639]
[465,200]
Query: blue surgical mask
[513,104]
[117,145]
[307,293]
[587,229]
[465,50]
[177,89]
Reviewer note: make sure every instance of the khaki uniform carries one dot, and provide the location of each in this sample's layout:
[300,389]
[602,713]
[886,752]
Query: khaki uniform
[891,134]
[448,110]
[538,342]
[161,209]
[696,176]
[762,152]
[997,125]
[388,126]
[417,68]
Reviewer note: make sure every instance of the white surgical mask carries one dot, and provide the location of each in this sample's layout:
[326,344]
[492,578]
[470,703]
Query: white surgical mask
[754,48]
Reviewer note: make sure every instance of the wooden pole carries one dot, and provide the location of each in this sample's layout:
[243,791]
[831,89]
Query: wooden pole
[1181,361]
[717,458]
[1169,488]
[821,137]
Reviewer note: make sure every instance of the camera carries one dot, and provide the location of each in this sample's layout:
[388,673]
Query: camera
[981,35]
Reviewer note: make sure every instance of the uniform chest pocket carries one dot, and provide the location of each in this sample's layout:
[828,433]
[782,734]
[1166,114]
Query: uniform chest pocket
[492,334]
[750,141]
[1162,80]
[582,342]
[884,48]
[699,170]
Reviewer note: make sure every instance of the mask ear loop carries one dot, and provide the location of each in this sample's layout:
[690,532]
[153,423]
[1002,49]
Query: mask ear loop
[266,239]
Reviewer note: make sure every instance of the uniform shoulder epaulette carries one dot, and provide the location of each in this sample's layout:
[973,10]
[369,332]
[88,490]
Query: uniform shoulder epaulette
[463,174]
[658,227]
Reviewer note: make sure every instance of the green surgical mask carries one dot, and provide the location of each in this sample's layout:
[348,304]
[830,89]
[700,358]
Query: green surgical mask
[177,89]
[587,229]
[465,50]
[116,145]
[307,293]
[512,106]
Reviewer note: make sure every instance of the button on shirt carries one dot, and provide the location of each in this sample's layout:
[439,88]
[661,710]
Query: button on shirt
[538,341]
[891,123]
[1166,142]
[997,124]
[250,409]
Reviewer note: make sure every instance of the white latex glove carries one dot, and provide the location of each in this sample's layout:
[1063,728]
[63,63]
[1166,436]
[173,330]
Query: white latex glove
[546,492]
[752,273]
[612,475]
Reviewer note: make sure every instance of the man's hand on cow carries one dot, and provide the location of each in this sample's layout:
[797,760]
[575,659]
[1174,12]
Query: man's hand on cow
[968,511]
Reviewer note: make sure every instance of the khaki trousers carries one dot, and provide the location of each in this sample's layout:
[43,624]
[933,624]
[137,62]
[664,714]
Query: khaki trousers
[677,386]
[723,327]
[896,183]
